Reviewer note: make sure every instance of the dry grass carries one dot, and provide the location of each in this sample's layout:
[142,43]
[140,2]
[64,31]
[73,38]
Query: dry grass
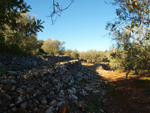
[114,75]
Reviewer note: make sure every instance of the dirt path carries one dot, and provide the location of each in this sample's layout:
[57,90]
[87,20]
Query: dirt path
[124,96]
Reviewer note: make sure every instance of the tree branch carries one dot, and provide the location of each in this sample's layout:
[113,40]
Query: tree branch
[57,10]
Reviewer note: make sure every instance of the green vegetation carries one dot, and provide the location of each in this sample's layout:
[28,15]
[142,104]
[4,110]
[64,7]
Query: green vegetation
[93,56]
[72,53]
[22,39]
[18,35]
[131,32]
[18,29]
[53,47]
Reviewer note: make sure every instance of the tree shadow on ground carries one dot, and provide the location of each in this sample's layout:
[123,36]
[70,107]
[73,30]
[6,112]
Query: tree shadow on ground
[126,96]
[132,96]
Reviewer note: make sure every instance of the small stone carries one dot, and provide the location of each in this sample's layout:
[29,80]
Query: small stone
[62,92]
[37,102]
[13,88]
[88,88]
[29,90]
[20,99]
[49,110]
[5,81]
[74,89]
[38,92]
[79,74]
[102,111]
[44,102]
[44,84]
[74,97]
[26,75]
[52,93]
[96,91]
[58,87]
[8,97]
[34,63]
[35,109]
[41,74]
[12,73]
[80,104]
[53,103]
[59,104]
[14,108]
[13,81]
[55,82]
[24,105]
[34,73]
[70,91]
[8,86]
[106,82]
[84,93]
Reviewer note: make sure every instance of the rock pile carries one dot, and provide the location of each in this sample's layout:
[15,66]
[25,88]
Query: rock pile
[26,62]
[62,89]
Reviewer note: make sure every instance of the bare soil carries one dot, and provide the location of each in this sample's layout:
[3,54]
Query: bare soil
[124,96]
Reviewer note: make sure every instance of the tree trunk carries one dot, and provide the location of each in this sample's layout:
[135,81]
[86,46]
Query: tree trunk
[127,73]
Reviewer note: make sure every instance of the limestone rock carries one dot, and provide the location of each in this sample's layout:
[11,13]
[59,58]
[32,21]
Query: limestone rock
[53,103]
[44,102]
[49,110]
[59,104]
[55,82]
[12,73]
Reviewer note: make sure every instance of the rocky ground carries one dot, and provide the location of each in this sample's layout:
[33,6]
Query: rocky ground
[15,63]
[68,88]
[72,87]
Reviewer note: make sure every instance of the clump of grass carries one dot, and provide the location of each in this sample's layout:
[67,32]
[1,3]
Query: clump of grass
[145,78]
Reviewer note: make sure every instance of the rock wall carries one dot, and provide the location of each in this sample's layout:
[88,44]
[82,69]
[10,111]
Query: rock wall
[27,62]
[37,91]
[19,89]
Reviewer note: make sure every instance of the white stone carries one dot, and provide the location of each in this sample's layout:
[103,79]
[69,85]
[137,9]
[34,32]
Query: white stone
[62,92]
[74,97]
[70,91]
[74,89]
[59,104]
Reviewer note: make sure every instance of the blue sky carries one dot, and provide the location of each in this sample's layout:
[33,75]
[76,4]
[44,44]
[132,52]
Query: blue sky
[82,26]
